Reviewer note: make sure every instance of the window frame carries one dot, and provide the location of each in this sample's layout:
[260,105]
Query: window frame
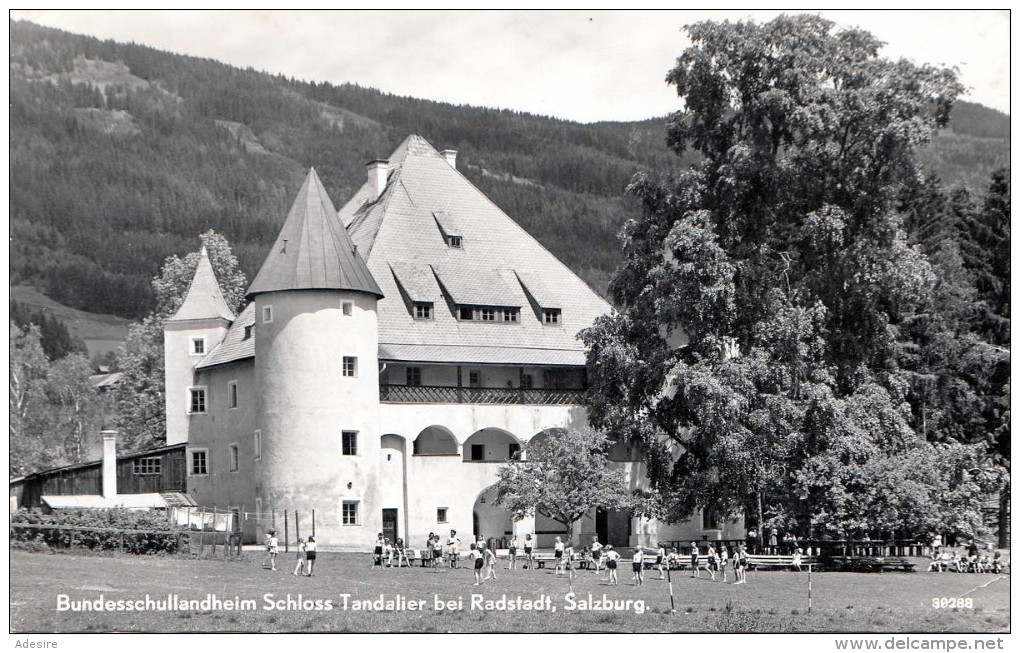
[232,394]
[344,503]
[267,314]
[442,515]
[427,310]
[474,378]
[257,445]
[466,313]
[191,461]
[193,349]
[205,399]
[354,366]
[249,331]
[455,242]
[511,315]
[344,434]
[138,467]
[347,309]
[487,314]
[233,457]
[552,316]
[413,374]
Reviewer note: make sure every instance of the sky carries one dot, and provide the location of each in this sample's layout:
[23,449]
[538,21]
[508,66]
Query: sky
[578,65]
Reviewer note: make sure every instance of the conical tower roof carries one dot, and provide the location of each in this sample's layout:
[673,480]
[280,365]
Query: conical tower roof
[204,300]
[313,250]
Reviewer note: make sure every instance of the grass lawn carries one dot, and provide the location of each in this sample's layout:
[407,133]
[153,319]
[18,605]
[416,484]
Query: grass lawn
[771,601]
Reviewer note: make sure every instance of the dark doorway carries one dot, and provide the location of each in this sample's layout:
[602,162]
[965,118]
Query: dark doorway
[478,452]
[389,524]
[613,527]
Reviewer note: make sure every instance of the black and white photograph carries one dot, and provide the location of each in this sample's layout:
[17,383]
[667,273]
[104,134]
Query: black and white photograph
[523,321]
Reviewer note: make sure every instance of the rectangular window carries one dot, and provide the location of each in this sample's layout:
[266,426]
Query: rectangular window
[478,452]
[235,458]
[348,308]
[196,401]
[147,466]
[515,451]
[350,365]
[441,515]
[456,242]
[423,311]
[267,313]
[414,376]
[349,446]
[551,316]
[248,331]
[232,394]
[510,314]
[708,520]
[488,315]
[466,313]
[199,462]
[257,445]
[475,379]
[198,346]
[350,513]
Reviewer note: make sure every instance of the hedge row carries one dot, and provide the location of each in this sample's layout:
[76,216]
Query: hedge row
[159,535]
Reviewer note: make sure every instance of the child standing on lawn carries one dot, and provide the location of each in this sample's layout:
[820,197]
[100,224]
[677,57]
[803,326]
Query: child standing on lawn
[529,560]
[558,553]
[299,569]
[712,561]
[512,554]
[379,544]
[272,548]
[596,553]
[568,561]
[477,560]
[612,557]
[490,562]
[660,559]
[638,565]
[724,560]
[310,554]
[695,569]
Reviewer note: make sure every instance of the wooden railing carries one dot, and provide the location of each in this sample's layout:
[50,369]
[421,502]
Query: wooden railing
[438,394]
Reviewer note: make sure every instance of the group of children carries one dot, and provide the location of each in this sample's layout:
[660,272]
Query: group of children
[942,560]
[718,561]
[306,554]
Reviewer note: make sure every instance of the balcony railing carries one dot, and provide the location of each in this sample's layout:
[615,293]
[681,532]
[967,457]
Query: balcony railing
[438,394]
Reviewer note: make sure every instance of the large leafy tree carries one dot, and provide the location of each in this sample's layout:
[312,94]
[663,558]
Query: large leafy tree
[566,476]
[26,400]
[765,289]
[141,407]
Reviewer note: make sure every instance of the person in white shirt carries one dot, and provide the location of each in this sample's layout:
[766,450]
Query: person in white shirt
[596,553]
[272,548]
[512,553]
[529,558]
[477,559]
[724,560]
[380,543]
[638,565]
[712,562]
[490,562]
[695,565]
[660,559]
[612,558]
[798,557]
[310,554]
[568,562]
[299,569]
[452,548]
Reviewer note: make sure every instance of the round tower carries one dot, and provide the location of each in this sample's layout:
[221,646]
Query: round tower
[317,376]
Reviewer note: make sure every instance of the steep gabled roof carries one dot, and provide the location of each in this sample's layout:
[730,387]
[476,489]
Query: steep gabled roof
[313,250]
[204,300]
[400,231]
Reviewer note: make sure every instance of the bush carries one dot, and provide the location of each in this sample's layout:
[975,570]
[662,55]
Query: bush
[159,535]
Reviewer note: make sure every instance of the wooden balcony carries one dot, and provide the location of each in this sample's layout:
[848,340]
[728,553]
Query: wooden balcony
[436,394]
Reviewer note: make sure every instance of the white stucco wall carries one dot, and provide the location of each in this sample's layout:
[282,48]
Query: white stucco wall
[179,368]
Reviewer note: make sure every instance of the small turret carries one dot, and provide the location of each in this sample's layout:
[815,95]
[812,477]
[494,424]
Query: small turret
[194,330]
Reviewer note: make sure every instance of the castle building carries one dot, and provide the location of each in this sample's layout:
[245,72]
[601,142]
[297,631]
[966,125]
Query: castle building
[390,358]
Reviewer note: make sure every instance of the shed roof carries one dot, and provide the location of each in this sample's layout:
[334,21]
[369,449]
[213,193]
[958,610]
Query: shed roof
[313,250]
[234,345]
[129,501]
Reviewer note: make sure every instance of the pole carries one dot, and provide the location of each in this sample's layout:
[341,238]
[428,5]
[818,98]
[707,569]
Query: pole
[313,522]
[669,580]
[809,589]
[286,544]
[297,527]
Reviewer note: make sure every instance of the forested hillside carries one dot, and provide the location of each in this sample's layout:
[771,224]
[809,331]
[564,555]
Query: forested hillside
[121,155]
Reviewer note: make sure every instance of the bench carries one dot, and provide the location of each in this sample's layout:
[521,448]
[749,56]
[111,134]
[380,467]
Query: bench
[779,562]
[873,563]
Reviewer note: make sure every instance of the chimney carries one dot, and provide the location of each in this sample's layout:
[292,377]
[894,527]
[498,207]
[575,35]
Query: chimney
[109,465]
[377,171]
[450,156]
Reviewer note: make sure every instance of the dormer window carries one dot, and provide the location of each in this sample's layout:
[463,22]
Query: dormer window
[467,313]
[551,315]
[510,314]
[506,315]
[449,228]
[423,310]
[488,315]
[456,242]
[249,331]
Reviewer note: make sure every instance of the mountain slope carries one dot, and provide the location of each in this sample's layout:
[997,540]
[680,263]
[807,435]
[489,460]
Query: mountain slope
[122,154]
